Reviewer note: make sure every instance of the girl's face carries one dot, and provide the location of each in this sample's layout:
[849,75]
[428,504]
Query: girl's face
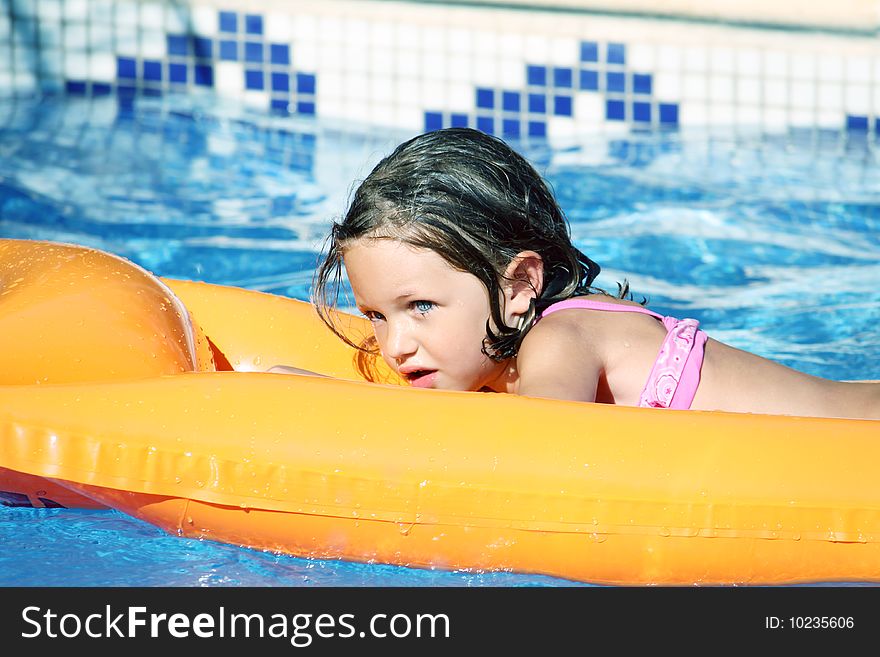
[429,318]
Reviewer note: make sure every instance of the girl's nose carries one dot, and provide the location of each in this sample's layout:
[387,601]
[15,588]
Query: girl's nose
[400,341]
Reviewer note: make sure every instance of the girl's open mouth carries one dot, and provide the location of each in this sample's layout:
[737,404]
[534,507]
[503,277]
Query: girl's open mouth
[421,378]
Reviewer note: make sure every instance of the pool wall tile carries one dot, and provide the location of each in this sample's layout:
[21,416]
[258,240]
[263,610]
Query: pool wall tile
[534,74]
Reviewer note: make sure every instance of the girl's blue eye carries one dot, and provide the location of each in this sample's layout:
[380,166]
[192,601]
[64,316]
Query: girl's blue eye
[423,306]
[373,316]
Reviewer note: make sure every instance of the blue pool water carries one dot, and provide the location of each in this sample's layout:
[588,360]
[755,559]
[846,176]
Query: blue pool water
[772,242]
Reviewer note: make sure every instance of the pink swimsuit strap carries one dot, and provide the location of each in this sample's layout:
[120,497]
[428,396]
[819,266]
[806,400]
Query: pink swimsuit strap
[675,376]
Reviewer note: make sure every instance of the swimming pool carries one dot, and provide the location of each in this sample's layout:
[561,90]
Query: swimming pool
[772,242]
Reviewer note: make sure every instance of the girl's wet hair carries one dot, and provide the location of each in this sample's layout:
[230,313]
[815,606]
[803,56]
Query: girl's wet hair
[472,199]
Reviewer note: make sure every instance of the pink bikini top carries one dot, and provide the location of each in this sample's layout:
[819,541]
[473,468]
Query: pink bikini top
[675,376]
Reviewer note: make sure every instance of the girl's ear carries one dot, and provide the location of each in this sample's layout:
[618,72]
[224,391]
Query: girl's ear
[523,282]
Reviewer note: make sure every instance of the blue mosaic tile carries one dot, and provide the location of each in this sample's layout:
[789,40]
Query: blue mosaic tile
[537,129]
[877,125]
[856,122]
[305,107]
[615,110]
[486,124]
[204,75]
[458,120]
[152,70]
[228,21]
[126,68]
[615,81]
[510,101]
[280,82]
[589,80]
[253,52]
[177,73]
[485,98]
[642,84]
[536,76]
[305,83]
[433,121]
[562,106]
[253,79]
[537,103]
[668,114]
[177,45]
[203,47]
[279,105]
[642,112]
[75,87]
[563,77]
[616,53]
[253,24]
[510,128]
[279,54]
[229,51]
[149,91]
[101,89]
[589,51]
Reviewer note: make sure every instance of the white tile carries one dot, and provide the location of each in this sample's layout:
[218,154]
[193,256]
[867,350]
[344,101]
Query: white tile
[858,69]
[875,93]
[154,44]
[830,96]
[51,34]
[434,38]
[381,88]
[564,52]
[802,118]
[354,57]
[511,74]
[696,59]
[330,29]
[803,66]
[330,55]
[276,27]
[803,94]
[641,57]
[305,28]
[485,72]
[102,67]
[512,45]
[774,119]
[177,19]
[381,60]
[127,14]
[560,127]
[381,33]
[748,90]
[407,91]
[537,48]
[355,33]
[485,44]
[152,16]
[668,86]
[52,62]
[408,118]
[722,114]
[461,68]
[126,39]
[833,120]
[776,63]
[721,88]
[229,78]
[695,87]
[460,41]
[357,87]
[831,68]
[332,86]
[459,97]
[670,58]
[205,21]
[857,99]
[722,61]
[433,94]
[408,36]
[76,65]
[434,65]
[50,9]
[693,114]
[304,56]
[76,10]
[407,63]
[775,92]
[332,108]
[76,36]
[748,115]
[381,114]
[257,99]
[589,106]
[749,61]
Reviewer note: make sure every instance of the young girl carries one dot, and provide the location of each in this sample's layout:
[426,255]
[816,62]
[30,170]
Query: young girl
[459,255]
